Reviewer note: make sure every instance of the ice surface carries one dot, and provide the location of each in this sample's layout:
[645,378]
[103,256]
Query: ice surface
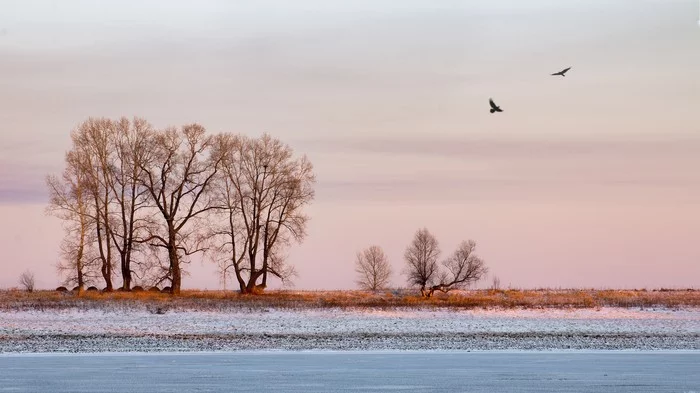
[608,371]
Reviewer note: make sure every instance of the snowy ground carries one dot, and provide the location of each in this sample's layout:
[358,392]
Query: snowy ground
[607,371]
[335,329]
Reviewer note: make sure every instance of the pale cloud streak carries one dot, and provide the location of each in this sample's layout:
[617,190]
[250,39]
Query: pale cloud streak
[512,170]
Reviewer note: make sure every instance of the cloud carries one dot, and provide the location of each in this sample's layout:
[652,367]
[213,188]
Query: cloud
[439,170]
[23,185]
[23,195]
[510,147]
[24,164]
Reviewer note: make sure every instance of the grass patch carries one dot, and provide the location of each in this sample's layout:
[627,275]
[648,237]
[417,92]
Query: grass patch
[227,300]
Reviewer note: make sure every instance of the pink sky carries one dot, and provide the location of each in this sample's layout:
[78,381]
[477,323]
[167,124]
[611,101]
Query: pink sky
[590,180]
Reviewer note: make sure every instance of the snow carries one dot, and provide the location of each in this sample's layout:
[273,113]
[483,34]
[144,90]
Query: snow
[95,330]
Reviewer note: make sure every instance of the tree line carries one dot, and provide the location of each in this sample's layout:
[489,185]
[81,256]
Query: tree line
[422,270]
[138,202]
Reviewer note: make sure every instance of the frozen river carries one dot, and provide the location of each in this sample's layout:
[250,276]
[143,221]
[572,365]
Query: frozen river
[318,371]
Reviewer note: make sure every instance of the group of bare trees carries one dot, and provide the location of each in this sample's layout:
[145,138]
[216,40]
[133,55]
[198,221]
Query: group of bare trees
[423,270]
[146,200]
[458,270]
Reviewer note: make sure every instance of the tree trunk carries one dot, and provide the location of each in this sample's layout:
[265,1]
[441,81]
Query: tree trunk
[126,274]
[81,248]
[79,259]
[254,273]
[108,265]
[123,265]
[252,287]
[174,262]
[177,277]
[125,259]
[107,277]
[105,268]
[128,236]
[263,284]
[266,256]
[241,284]
[239,276]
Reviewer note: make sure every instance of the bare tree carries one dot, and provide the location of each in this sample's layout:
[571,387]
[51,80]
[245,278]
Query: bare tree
[462,269]
[106,156]
[421,259]
[79,265]
[262,191]
[178,171]
[496,283]
[69,201]
[373,269]
[92,140]
[130,145]
[26,280]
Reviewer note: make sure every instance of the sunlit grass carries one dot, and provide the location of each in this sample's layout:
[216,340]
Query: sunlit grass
[403,298]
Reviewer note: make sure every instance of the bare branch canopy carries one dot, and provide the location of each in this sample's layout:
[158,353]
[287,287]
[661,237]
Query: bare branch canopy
[372,268]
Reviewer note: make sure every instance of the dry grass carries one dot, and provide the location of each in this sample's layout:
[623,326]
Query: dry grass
[222,301]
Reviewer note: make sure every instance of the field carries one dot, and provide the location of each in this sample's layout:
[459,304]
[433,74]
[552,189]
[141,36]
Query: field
[220,300]
[349,320]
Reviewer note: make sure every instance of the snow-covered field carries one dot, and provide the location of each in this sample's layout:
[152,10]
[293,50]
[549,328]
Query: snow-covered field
[336,329]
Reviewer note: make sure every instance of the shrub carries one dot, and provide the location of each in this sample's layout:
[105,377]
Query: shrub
[26,280]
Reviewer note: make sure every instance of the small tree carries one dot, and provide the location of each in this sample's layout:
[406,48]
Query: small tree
[421,258]
[373,269]
[496,283]
[69,201]
[26,280]
[460,270]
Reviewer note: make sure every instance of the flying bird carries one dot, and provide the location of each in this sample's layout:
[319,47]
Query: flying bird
[562,72]
[494,107]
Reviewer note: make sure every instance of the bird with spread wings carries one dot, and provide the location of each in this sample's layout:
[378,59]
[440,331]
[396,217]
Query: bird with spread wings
[494,107]
[562,72]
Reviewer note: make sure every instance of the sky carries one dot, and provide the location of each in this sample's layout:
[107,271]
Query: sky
[590,180]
